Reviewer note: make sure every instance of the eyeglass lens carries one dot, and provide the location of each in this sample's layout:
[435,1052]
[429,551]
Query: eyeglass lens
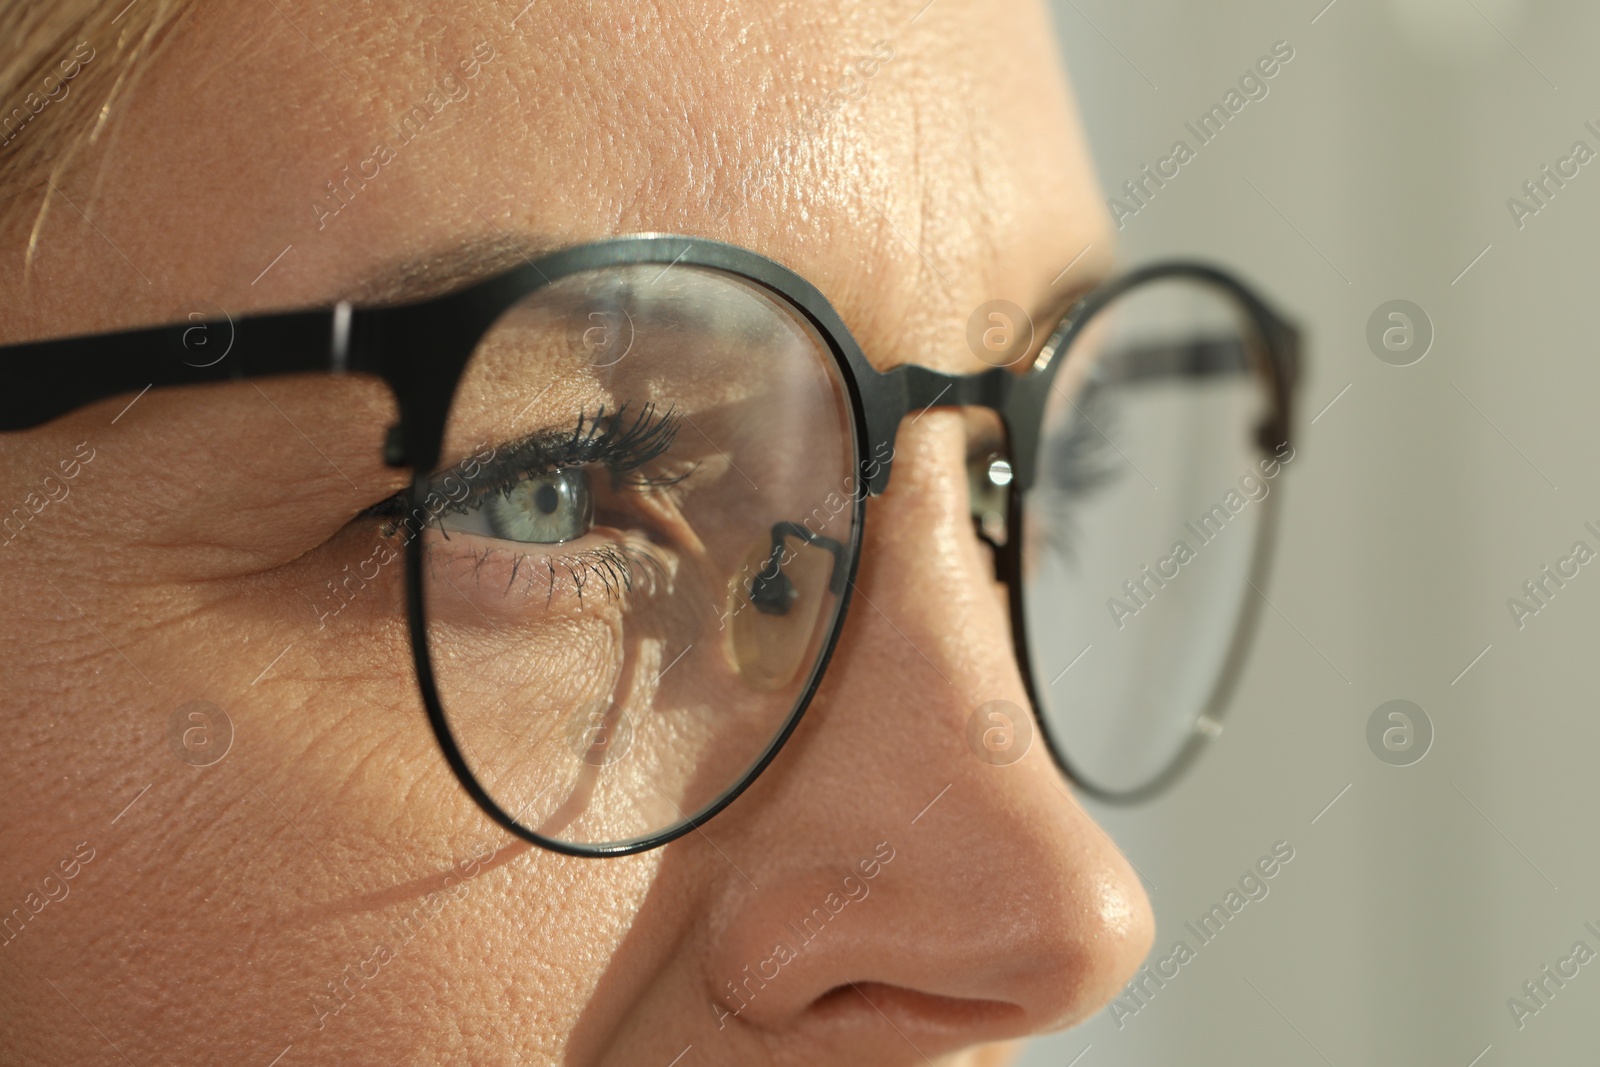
[1143,524]
[637,554]
[635,559]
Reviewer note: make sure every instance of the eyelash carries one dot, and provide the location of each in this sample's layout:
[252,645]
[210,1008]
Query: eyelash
[624,443]
[1082,456]
[614,566]
[610,440]
[1082,461]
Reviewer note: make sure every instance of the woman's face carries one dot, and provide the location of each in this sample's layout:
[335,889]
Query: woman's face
[325,892]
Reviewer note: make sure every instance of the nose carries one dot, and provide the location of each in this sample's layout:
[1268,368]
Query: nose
[918,893]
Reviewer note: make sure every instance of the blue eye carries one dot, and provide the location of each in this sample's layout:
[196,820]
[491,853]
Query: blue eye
[541,490]
[543,509]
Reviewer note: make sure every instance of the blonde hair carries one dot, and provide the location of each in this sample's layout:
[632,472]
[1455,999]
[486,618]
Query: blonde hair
[48,117]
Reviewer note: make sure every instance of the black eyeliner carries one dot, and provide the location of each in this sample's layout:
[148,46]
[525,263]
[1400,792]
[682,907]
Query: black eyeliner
[624,442]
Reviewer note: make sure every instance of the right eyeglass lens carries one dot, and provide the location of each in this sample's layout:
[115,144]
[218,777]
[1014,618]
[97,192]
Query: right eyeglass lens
[638,553]
[1143,524]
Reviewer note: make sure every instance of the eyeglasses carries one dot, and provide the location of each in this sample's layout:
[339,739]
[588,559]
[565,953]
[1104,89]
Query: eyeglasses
[641,474]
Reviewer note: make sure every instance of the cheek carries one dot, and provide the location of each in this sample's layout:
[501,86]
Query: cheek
[271,877]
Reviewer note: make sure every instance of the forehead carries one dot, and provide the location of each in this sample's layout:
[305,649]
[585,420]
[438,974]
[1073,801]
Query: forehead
[912,166]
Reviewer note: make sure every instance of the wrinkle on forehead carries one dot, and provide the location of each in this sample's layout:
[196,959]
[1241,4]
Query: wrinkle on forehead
[943,183]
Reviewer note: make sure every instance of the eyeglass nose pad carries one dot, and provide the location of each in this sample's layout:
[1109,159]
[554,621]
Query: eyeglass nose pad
[774,599]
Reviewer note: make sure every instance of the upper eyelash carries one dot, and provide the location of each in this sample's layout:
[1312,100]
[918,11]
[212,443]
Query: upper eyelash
[624,444]
[1082,455]
[1082,464]
[603,437]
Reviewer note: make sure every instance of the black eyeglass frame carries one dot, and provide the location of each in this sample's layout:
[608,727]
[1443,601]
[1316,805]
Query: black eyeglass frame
[421,349]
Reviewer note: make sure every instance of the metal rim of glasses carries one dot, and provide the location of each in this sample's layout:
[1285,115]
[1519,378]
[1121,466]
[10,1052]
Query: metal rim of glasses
[502,293]
[879,400]
[1280,369]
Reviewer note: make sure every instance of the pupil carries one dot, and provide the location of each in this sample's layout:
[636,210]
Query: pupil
[546,499]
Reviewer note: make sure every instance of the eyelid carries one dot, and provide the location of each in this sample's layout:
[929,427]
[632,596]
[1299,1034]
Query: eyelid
[618,439]
[630,442]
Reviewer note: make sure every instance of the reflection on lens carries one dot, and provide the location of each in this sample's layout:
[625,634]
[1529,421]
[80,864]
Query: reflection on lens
[631,564]
[1142,527]
[774,600]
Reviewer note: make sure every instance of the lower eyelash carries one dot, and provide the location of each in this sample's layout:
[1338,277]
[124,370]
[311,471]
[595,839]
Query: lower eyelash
[608,565]
[624,572]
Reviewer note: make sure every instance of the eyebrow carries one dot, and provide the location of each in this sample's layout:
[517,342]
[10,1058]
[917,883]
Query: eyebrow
[443,270]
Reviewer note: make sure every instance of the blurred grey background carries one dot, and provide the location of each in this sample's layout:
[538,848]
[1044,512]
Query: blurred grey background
[1378,168]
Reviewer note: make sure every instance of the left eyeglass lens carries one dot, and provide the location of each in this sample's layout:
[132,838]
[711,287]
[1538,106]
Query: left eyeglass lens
[635,557]
[1144,526]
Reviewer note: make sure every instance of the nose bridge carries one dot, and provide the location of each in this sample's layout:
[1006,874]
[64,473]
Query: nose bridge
[952,634]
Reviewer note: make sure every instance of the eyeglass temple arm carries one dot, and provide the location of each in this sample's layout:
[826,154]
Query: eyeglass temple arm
[1203,358]
[47,379]
[1213,357]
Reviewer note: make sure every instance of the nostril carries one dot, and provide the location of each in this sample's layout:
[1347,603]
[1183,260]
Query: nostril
[824,1004]
[911,1011]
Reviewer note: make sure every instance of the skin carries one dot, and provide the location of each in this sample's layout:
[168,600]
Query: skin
[222,901]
